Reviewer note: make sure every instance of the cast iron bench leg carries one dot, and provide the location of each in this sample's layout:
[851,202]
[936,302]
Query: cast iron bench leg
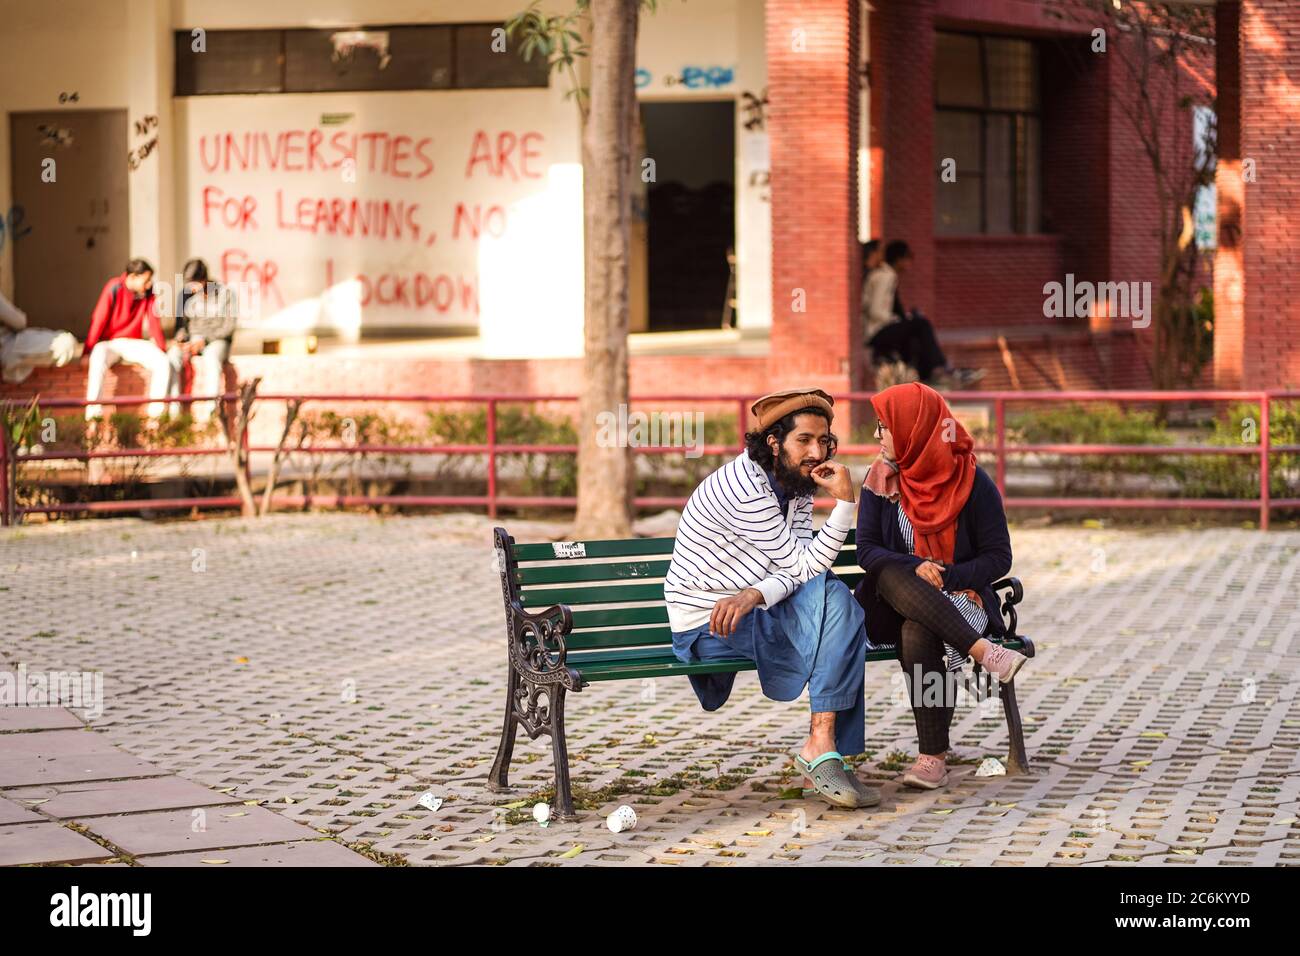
[563,792]
[499,776]
[1017,760]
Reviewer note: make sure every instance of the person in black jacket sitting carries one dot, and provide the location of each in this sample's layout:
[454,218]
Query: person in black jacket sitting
[932,538]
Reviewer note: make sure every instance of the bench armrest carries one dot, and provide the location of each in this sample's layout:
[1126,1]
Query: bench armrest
[536,638]
[537,644]
[1008,608]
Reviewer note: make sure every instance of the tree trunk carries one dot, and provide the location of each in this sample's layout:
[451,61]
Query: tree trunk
[606,479]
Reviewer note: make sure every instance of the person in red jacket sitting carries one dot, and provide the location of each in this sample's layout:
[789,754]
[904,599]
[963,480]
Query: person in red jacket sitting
[125,328]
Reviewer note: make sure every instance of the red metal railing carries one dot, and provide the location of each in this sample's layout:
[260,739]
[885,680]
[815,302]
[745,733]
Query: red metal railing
[492,449]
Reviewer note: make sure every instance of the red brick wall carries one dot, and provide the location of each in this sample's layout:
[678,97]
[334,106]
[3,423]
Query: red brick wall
[997,14]
[1075,128]
[1134,242]
[1068,361]
[812,121]
[1270,106]
[1229,279]
[902,39]
[994,280]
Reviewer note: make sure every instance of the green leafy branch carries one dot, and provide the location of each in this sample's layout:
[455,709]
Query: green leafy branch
[561,39]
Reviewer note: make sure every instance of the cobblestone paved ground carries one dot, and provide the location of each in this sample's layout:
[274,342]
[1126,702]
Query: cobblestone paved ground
[336,666]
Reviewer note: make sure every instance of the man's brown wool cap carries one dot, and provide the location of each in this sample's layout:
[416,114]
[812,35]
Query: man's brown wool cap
[773,407]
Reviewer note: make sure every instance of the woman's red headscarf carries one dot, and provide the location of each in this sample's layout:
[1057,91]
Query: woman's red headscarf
[936,466]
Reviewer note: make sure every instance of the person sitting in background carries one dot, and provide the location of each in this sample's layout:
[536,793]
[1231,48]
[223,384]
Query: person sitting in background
[206,316]
[872,256]
[894,334]
[124,328]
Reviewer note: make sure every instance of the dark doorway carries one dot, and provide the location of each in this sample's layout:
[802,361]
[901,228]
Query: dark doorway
[76,213]
[691,211]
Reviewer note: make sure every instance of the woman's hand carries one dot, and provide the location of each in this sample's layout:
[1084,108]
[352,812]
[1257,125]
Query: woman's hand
[931,572]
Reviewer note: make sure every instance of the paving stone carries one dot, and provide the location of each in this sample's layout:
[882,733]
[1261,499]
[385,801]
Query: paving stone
[176,831]
[312,853]
[14,813]
[54,743]
[69,801]
[13,718]
[46,843]
[27,771]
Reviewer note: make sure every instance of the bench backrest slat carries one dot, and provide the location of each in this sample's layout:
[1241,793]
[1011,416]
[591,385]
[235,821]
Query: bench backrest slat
[596,549]
[577,594]
[595,571]
[617,604]
[619,637]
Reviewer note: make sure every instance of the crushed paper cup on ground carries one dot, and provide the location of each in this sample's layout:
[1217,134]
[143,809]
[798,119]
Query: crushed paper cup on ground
[429,801]
[991,767]
[542,814]
[624,818]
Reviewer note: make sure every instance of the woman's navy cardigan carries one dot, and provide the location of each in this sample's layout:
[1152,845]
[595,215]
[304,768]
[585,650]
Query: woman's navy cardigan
[981,555]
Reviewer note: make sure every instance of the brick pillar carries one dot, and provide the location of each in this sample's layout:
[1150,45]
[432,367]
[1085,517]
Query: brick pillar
[902,67]
[813,124]
[1256,283]
[1229,311]
[878,76]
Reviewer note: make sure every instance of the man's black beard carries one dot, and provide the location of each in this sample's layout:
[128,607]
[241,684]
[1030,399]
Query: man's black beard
[793,482]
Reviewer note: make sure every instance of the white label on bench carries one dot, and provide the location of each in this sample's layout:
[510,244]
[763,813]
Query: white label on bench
[569,549]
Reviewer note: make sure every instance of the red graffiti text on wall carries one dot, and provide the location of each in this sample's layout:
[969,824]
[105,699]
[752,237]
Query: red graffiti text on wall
[297,151]
[411,290]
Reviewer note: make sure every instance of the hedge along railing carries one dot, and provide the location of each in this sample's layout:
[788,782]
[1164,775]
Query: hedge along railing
[493,448]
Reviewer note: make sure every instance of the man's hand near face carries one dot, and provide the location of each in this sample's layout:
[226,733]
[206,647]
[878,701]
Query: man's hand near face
[835,479]
[728,612]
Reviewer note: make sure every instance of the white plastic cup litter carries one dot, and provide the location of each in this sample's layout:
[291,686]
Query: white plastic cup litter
[991,767]
[542,813]
[624,818]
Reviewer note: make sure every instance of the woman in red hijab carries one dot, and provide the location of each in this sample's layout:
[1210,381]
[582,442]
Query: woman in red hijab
[932,538]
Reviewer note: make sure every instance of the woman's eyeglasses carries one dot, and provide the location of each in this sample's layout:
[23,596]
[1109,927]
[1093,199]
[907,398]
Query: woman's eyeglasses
[880,430]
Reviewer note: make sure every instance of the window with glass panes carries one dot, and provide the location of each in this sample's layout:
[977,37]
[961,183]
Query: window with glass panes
[419,57]
[986,119]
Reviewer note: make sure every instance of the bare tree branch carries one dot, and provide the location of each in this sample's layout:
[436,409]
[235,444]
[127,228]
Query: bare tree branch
[290,414]
[234,418]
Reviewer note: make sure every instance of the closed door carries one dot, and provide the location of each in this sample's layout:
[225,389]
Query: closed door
[74,212]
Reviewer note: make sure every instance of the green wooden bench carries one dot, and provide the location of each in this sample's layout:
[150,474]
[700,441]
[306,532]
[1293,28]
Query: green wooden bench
[619,631]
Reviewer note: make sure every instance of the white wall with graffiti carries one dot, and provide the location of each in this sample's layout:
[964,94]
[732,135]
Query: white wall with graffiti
[449,209]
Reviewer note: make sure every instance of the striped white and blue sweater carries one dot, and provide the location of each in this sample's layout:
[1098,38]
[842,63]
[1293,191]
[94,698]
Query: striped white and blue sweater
[732,536]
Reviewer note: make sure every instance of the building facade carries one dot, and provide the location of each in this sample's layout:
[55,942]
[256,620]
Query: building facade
[392,169]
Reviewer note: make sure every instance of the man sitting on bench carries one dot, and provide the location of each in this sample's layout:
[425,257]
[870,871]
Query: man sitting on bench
[749,578]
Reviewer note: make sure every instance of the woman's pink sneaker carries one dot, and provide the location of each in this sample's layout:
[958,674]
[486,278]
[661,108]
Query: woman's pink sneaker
[928,773]
[1003,662]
